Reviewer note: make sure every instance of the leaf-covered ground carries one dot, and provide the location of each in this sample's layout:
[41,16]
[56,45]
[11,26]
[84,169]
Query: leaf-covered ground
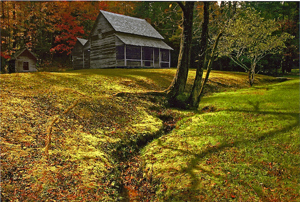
[89,142]
[242,146]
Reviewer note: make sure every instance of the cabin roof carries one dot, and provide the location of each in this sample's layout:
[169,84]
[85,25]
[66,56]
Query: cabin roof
[142,41]
[82,41]
[19,52]
[131,25]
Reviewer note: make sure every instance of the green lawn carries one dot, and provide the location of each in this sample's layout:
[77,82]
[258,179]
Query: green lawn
[88,142]
[243,146]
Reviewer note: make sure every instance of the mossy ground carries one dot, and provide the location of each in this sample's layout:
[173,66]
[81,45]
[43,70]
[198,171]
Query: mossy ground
[87,141]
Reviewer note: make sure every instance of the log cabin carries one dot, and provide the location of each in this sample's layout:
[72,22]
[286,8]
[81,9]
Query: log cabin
[121,41]
[22,61]
[81,54]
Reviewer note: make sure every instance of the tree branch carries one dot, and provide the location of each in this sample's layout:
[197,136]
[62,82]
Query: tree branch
[49,129]
[239,63]
[211,59]
[181,5]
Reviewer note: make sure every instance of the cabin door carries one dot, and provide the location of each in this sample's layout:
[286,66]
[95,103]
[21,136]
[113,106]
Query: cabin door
[25,66]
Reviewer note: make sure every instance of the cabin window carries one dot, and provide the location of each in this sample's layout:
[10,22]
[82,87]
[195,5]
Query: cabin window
[133,52]
[165,55]
[25,66]
[147,53]
[120,52]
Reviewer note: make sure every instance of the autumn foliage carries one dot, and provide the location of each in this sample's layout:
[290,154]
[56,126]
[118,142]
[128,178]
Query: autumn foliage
[69,29]
[50,29]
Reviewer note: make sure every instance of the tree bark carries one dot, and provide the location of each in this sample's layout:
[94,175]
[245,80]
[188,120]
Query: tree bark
[209,64]
[193,100]
[178,84]
[8,31]
[200,88]
[251,74]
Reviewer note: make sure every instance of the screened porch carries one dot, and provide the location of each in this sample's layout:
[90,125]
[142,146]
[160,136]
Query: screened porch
[139,56]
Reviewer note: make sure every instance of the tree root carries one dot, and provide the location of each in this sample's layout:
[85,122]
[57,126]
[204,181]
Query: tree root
[49,129]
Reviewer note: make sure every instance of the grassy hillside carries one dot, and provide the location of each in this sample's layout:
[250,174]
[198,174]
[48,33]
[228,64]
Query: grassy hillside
[88,142]
[243,146]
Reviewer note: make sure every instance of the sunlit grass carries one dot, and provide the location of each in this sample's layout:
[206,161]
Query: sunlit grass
[247,148]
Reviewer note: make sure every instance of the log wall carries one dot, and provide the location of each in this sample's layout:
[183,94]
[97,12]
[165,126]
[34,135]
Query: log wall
[77,56]
[103,50]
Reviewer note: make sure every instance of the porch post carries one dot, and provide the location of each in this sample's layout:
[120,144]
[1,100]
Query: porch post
[159,60]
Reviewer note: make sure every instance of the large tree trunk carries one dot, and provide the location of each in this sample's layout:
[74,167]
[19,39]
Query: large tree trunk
[193,100]
[177,86]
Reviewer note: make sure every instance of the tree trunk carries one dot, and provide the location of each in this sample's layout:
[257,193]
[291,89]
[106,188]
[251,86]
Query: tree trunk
[209,64]
[8,31]
[177,86]
[251,74]
[199,93]
[193,100]
[14,24]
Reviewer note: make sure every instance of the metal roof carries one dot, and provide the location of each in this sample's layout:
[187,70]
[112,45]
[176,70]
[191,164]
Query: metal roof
[142,41]
[131,25]
[19,52]
[82,41]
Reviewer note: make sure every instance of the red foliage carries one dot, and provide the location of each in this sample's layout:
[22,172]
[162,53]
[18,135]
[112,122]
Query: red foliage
[69,29]
[5,56]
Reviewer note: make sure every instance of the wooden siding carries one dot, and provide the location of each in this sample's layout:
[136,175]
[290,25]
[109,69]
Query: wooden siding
[107,48]
[87,51]
[103,50]
[120,63]
[24,58]
[77,56]
[86,55]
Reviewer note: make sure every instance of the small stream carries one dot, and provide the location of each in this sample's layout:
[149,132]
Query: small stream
[137,182]
[136,185]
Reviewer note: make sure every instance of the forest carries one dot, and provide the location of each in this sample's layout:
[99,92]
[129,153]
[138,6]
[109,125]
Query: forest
[49,29]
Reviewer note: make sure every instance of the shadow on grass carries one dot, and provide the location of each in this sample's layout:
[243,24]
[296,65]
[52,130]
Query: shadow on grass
[139,80]
[197,157]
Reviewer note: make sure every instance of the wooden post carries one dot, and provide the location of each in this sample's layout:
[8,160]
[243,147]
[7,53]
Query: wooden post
[159,58]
